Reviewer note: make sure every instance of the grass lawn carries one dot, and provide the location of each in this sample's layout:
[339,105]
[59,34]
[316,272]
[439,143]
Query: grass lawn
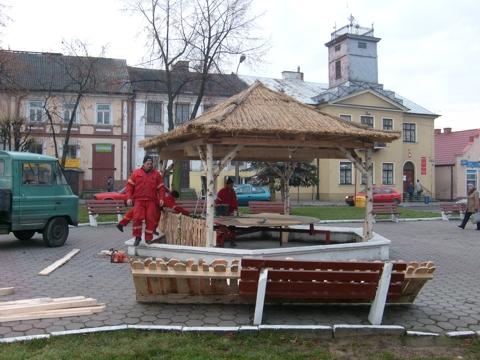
[320,212]
[351,212]
[265,345]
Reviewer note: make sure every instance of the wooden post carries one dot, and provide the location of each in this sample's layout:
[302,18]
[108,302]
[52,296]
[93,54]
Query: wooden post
[368,225]
[210,195]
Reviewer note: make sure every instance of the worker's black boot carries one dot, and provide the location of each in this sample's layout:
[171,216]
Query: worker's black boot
[120,227]
[137,241]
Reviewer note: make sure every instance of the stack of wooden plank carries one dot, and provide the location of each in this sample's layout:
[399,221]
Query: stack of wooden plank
[43,308]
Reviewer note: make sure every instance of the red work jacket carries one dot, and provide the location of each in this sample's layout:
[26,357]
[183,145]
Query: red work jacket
[169,202]
[144,185]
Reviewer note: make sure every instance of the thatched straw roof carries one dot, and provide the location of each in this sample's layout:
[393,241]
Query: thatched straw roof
[260,117]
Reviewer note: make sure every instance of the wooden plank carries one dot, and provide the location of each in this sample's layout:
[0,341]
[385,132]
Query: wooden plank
[53,305]
[260,301]
[185,274]
[39,300]
[59,262]
[54,313]
[312,265]
[378,305]
[7,291]
[312,275]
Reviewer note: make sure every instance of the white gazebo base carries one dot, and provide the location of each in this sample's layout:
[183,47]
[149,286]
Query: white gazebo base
[377,248]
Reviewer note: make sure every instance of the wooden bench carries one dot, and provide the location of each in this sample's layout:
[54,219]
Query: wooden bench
[452,208]
[257,207]
[310,281]
[194,207]
[104,207]
[221,282]
[386,208]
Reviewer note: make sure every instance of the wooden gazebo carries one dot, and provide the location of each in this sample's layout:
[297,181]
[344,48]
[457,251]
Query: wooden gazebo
[265,125]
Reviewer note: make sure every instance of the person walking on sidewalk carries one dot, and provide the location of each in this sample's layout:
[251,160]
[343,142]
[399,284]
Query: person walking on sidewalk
[418,189]
[143,190]
[472,205]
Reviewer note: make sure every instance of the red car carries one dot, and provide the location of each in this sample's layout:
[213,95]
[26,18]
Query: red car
[381,194]
[114,195]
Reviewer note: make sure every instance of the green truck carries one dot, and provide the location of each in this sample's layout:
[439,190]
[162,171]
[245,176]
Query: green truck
[35,197]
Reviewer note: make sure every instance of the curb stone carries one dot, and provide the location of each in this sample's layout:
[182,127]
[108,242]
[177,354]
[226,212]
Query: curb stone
[24,338]
[353,330]
[461,334]
[335,331]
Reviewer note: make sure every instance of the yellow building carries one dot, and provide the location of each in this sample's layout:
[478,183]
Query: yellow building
[354,94]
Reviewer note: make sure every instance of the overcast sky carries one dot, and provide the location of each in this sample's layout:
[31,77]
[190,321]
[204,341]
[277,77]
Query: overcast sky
[429,52]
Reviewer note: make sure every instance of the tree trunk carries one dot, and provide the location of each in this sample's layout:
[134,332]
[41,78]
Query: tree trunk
[368,225]
[210,196]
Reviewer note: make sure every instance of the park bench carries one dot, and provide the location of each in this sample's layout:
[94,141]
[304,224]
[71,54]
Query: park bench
[451,208]
[194,207]
[386,209]
[192,282]
[257,207]
[326,281]
[104,207]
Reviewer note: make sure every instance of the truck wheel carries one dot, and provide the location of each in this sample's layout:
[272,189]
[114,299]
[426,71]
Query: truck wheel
[56,232]
[24,234]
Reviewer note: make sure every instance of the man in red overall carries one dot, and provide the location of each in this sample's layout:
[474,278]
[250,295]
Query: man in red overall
[227,196]
[168,201]
[143,189]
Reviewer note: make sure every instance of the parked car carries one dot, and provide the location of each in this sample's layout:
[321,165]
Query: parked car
[114,195]
[35,197]
[248,192]
[381,194]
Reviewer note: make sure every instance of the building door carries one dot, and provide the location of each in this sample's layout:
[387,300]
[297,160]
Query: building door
[408,175]
[103,164]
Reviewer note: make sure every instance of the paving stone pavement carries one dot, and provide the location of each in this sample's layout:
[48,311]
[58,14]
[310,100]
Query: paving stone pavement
[451,301]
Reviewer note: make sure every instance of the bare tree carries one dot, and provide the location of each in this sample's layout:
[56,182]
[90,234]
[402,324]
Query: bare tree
[223,31]
[169,42]
[80,76]
[15,133]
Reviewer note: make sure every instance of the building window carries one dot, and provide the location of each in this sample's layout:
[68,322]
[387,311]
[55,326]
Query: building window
[71,151]
[67,113]
[35,111]
[387,124]
[471,177]
[338,70]
[346,117]
[409,132]
[387,174]
[367,120]
[35,148]
[338,47]
[182,113]
[103,114]
[2,167]
[362,45]
[154,112]
[345,173]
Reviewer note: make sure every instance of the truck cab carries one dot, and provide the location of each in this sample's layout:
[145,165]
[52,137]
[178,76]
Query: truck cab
[35,197]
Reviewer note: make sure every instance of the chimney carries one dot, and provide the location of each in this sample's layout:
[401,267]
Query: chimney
[438,131]
[181,65]
[292,75]
[447,130]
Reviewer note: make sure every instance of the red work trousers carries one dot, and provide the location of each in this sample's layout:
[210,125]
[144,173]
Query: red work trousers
[145,210]
[127,218]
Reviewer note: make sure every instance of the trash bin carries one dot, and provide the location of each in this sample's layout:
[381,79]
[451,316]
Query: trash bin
[360,201]
[426,200]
